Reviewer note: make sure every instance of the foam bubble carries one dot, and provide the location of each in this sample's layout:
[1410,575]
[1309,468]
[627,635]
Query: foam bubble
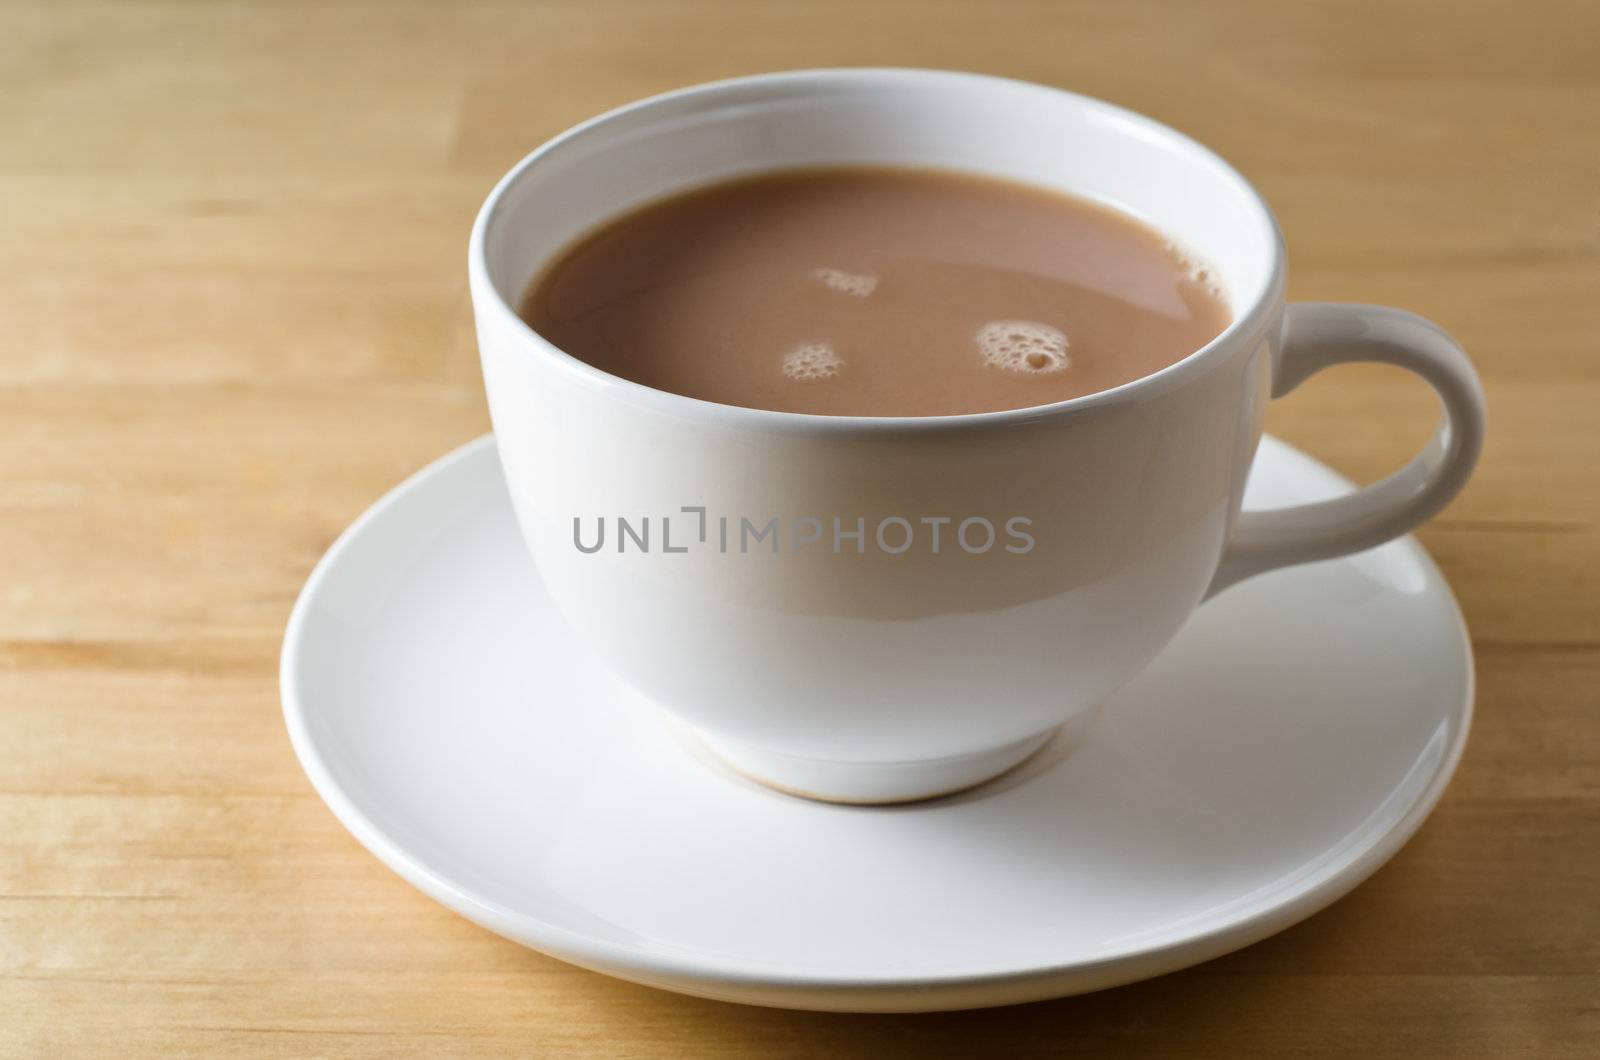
[852,283]
[1198,274]
[1023,346]
[814,360]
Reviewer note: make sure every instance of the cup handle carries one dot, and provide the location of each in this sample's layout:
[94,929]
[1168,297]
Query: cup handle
[1317,335]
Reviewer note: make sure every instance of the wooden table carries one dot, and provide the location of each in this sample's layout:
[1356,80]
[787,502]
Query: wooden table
[234,312]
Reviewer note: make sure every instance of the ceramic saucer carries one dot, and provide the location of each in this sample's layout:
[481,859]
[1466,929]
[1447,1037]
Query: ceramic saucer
[1294,735]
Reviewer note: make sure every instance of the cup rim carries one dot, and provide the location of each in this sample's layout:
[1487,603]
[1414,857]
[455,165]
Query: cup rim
[1246,325]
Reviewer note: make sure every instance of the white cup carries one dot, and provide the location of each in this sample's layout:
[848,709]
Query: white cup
[837,666]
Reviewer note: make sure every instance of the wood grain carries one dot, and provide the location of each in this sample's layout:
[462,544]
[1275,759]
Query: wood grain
[234,313]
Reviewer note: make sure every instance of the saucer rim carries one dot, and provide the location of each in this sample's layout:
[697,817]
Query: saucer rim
[689,971]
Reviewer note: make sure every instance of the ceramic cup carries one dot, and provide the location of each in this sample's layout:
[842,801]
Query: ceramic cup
[876,609]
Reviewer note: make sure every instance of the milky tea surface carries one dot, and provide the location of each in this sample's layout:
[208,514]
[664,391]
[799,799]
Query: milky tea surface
[876,292]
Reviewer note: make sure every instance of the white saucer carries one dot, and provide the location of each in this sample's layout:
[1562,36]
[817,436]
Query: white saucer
[1296,733]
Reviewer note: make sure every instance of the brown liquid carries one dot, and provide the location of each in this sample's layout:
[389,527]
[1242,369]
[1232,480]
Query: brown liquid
[875,292]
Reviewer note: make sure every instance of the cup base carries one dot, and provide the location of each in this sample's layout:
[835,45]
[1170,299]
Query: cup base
[869,783]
